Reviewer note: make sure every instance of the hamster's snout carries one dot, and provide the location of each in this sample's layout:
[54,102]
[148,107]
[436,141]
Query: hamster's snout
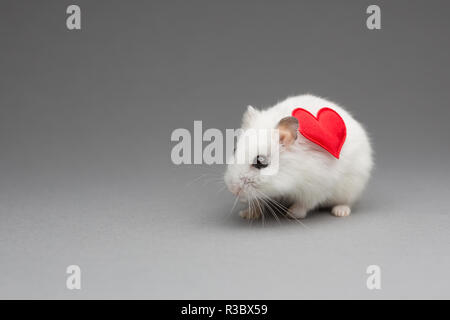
[238,187]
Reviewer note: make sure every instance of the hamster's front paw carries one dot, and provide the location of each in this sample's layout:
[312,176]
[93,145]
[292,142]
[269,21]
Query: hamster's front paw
[341,211]
[249,214]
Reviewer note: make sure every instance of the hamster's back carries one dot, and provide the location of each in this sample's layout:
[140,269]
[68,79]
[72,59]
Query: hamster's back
[355,162]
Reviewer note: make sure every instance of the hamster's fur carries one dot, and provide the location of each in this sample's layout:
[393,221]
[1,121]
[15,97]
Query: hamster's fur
[308,176]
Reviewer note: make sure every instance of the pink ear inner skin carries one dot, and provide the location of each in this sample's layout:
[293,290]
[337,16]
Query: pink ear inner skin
[327,130]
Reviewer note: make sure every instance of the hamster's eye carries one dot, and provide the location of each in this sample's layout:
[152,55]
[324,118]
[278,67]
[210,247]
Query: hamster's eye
[260,162]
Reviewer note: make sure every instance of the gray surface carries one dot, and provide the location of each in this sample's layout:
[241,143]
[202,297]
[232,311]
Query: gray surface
[85,170]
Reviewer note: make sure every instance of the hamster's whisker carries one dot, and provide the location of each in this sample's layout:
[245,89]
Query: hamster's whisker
[251,210]
[288,214]
[278,205]
[256,206]
[269,207]
[212,179]
[259,206]
[274,213]
[283,208]
[234,204]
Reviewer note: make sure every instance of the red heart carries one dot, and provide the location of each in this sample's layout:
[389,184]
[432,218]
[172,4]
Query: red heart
[327,129]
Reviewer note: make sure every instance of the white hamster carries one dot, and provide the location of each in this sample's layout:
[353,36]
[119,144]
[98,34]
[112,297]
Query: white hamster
[307,175]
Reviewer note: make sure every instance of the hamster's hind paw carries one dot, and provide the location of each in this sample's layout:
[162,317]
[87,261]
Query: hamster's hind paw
[341,211]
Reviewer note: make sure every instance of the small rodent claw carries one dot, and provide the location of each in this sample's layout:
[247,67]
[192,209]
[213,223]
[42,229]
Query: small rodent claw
[341,211]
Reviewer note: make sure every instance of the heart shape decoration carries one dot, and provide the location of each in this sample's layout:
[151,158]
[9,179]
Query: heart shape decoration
[326,130]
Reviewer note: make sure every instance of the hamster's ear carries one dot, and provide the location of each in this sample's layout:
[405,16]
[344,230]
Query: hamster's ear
[248,116]
[288,128]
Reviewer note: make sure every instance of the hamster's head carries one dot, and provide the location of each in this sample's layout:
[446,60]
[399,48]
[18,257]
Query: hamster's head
[263,155]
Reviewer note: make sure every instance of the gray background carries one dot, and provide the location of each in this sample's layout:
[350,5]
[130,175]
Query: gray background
[85,170]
